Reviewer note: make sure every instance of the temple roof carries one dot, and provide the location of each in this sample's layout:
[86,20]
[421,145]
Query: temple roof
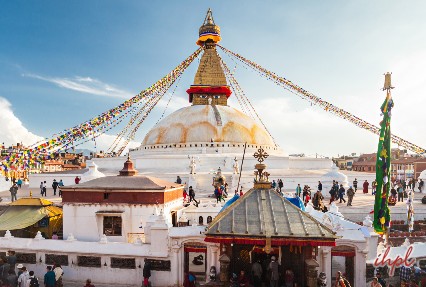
[124,183]
[263,213]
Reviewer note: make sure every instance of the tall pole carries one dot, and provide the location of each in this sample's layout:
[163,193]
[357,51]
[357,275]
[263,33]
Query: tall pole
[383,166]
[241,169]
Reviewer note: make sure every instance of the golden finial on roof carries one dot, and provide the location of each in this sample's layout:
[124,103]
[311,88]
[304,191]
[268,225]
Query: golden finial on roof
[209,32]
[260,155]
[261,176]
[388,84]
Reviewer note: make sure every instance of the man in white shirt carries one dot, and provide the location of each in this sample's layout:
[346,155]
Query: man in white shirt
[23,278]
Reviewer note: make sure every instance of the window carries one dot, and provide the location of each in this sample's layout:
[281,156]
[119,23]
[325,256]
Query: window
[112,225]
[106,195]
[209,219]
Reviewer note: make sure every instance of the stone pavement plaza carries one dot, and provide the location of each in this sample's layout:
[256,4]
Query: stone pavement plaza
[362,204]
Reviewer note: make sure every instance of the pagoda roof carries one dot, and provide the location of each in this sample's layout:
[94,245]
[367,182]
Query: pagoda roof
[31,201]
[263,214]
[124,183]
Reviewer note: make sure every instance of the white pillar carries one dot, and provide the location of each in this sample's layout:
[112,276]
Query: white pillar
[360,267]
[176,263]
[326,263]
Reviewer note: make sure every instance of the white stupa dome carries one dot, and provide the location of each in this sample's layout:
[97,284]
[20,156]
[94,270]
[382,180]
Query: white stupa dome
[206,123]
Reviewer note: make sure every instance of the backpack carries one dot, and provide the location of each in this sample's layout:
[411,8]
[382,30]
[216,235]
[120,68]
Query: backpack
[191,278]
[34,282]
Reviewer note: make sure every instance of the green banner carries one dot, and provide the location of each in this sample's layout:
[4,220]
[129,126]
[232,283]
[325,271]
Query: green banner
[383,173]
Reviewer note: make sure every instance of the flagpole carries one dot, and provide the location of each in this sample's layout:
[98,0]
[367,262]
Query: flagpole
[241,169]
[383,166]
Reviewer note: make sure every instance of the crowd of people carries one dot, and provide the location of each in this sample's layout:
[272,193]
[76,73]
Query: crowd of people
[18,275]
[268,271]
[56,186]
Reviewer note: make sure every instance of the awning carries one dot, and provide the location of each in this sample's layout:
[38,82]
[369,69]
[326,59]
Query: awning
[19,217]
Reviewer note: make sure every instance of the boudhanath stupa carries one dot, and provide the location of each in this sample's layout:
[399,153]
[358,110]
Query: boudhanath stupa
[209,134]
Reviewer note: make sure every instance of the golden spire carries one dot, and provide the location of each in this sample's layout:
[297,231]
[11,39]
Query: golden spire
[209,32]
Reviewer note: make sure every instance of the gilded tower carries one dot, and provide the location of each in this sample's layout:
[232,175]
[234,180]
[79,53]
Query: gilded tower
[210,86]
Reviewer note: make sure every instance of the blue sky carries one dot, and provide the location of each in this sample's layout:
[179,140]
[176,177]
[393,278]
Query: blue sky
[51,51]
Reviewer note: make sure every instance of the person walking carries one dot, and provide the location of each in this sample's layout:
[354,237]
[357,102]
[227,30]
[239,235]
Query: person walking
[146,273]
[12,278]
[350,192]
[381,281]
[400,191]
[185,195]
[58,275]
[55,185]
[44,189]
[320,186]
[404,274]
[11,259]
[4,267]
[89,283]
[307,197]
[375,283]
[192,196]
[342,193]
[280,185]
[19,182]
[23,278]
[273,268]
[317,200]
[13,191]
[355,184]
[341,281]
[60,185]
[421,184]
[298,190]
[41,188]
[178,180]
[333,192]
[414,184]
[365,186]
[373,187]
[274,184]
[33,280]
[49,277]
[256,270]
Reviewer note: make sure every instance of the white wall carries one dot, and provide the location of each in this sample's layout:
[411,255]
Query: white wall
[133,216]
[35,179]
[102,275]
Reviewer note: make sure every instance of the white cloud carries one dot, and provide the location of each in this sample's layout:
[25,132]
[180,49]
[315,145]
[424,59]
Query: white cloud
[12,130]
[85,85]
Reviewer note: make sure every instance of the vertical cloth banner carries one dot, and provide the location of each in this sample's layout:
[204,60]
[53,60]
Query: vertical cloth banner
[383,174]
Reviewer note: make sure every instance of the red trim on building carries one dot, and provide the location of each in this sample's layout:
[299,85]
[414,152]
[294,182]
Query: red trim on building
[276,242]
[223,90]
